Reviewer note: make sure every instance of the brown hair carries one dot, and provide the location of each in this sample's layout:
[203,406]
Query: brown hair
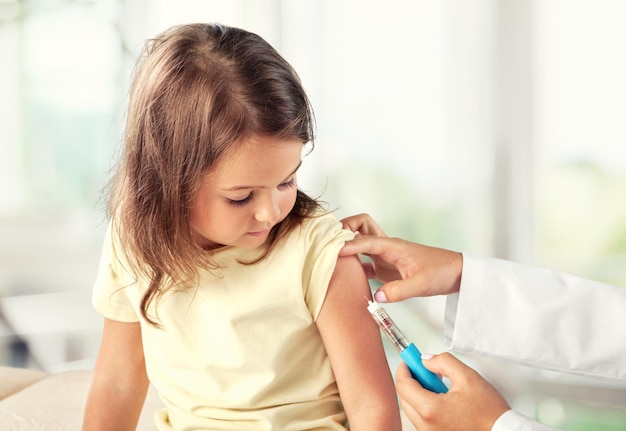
[198,91]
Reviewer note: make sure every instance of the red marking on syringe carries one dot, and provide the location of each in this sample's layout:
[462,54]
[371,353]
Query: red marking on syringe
[386,322]
[387,325]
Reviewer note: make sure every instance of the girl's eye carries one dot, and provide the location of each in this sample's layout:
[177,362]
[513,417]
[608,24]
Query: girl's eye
[287,184]
[240,202]
[244,201]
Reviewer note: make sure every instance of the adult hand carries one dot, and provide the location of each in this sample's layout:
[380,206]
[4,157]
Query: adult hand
[407,269]
[471,403]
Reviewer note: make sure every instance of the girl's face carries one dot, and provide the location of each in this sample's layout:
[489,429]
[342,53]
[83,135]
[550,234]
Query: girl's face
[246,194]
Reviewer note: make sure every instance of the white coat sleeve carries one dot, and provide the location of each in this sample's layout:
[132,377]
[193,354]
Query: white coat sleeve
[513,421]
[538,317]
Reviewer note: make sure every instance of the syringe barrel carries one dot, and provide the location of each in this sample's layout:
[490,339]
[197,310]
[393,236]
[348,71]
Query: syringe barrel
[388,326]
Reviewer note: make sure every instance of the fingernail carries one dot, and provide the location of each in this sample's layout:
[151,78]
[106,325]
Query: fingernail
[380,296]
[427,356]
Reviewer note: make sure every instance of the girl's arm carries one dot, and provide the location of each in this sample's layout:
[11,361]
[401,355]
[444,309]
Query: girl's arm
[353,342]
[120,383]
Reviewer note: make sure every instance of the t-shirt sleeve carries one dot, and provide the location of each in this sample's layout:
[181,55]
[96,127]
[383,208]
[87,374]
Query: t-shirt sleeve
[110,295]
[324,237]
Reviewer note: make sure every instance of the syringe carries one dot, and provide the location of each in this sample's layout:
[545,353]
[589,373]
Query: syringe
[408,352]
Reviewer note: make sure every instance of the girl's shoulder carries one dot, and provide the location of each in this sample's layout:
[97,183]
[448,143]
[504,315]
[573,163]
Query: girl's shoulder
[323,226]
[318,233]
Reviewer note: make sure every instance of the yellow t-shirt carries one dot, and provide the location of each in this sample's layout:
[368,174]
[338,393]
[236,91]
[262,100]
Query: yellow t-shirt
[242,351]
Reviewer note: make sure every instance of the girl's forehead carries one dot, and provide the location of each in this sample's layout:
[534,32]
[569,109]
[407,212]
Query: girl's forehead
[255,161]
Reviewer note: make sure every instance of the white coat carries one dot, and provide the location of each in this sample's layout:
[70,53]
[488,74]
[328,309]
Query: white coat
[540,318]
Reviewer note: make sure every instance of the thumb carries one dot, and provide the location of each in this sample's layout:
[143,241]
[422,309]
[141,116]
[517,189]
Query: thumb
[398,290]
[447,365]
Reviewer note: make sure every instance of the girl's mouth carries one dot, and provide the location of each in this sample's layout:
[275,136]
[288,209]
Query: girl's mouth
[259,233]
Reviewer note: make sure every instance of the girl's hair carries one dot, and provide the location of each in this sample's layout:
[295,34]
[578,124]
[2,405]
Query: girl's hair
[198,91]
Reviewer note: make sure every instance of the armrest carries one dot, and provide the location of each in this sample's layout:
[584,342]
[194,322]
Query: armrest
[13,380]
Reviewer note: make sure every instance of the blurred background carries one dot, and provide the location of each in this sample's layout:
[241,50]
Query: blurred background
[494,127]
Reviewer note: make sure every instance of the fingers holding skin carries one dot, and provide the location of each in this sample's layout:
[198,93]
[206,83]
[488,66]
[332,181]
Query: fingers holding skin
[408,269]
[363,224]
[382,252]
[470,404]
[368,245]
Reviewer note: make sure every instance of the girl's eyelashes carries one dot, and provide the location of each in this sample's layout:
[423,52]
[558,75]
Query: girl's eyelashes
[287,184]
[282,186]
[240,202]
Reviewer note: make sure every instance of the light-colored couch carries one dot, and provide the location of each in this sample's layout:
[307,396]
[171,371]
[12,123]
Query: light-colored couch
[32,400]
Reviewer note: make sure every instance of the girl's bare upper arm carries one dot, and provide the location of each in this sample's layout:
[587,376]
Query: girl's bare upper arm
[120,382]
[121,355]
[353,342]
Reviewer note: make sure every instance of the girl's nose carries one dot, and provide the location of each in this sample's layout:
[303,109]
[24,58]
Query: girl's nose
[268,210]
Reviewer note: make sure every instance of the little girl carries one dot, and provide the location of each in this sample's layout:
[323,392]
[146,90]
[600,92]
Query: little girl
[220,281]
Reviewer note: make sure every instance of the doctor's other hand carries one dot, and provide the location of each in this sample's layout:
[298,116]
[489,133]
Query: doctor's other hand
[471,404]
[406,269]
